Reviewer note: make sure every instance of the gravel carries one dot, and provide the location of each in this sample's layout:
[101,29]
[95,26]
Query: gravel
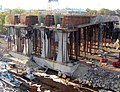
[97,77]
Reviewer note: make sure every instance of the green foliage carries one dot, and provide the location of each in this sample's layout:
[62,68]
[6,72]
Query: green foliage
[7,19]
[8,12]
[17,11]
[58,18]
[2,21]
[102,11]
[41,18]
[91,12]
[33,12]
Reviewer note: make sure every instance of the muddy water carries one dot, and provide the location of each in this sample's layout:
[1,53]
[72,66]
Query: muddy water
[46,85]
[46,88]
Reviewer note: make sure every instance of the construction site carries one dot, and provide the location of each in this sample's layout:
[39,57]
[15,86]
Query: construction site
[64,53]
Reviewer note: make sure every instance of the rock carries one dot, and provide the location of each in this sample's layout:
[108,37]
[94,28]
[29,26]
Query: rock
[98,77]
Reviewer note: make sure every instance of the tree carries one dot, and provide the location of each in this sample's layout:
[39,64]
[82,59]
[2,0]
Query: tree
[104,11]
[91,12]
[32,12]
[2,21]
[7,19]
[17,11]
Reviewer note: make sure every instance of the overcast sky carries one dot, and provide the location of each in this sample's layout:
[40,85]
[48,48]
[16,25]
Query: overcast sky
[42,4]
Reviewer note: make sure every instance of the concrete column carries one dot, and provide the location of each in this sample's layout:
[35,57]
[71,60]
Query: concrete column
[65,50]
[18,44]
[62,48]
[15,45]
[44,44]
[25,50]
[15,41]
[29,46]
[8,37]
[56,37]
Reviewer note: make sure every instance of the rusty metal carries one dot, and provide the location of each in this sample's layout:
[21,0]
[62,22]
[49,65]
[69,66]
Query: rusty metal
[79,41]
[49,20]
[36,40]
[28,19]
[91,39]
[14,19]
[53,54]
[104,35]
[77,46]
[74,20]
[87,39]
[84,44]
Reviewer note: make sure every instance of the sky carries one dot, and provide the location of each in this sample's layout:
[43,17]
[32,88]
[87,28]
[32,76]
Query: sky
[43,4]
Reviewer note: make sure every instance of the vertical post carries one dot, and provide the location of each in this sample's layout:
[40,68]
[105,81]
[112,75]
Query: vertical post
[60,54]
[8,36]
[79,41]
[17,37]
[95,35]
[77,45]
[71,45]
[28,46]
[65,48]
[104,36]
[119,57]
[43,42]
[87,38]
[62,47]
[50,47]
[35,35]
[101,35]
[49,42]
[54,46]
[91,38]
[33,39]
[40,41]
[84,33]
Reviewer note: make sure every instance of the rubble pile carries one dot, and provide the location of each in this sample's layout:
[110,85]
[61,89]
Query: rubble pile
[102,79]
